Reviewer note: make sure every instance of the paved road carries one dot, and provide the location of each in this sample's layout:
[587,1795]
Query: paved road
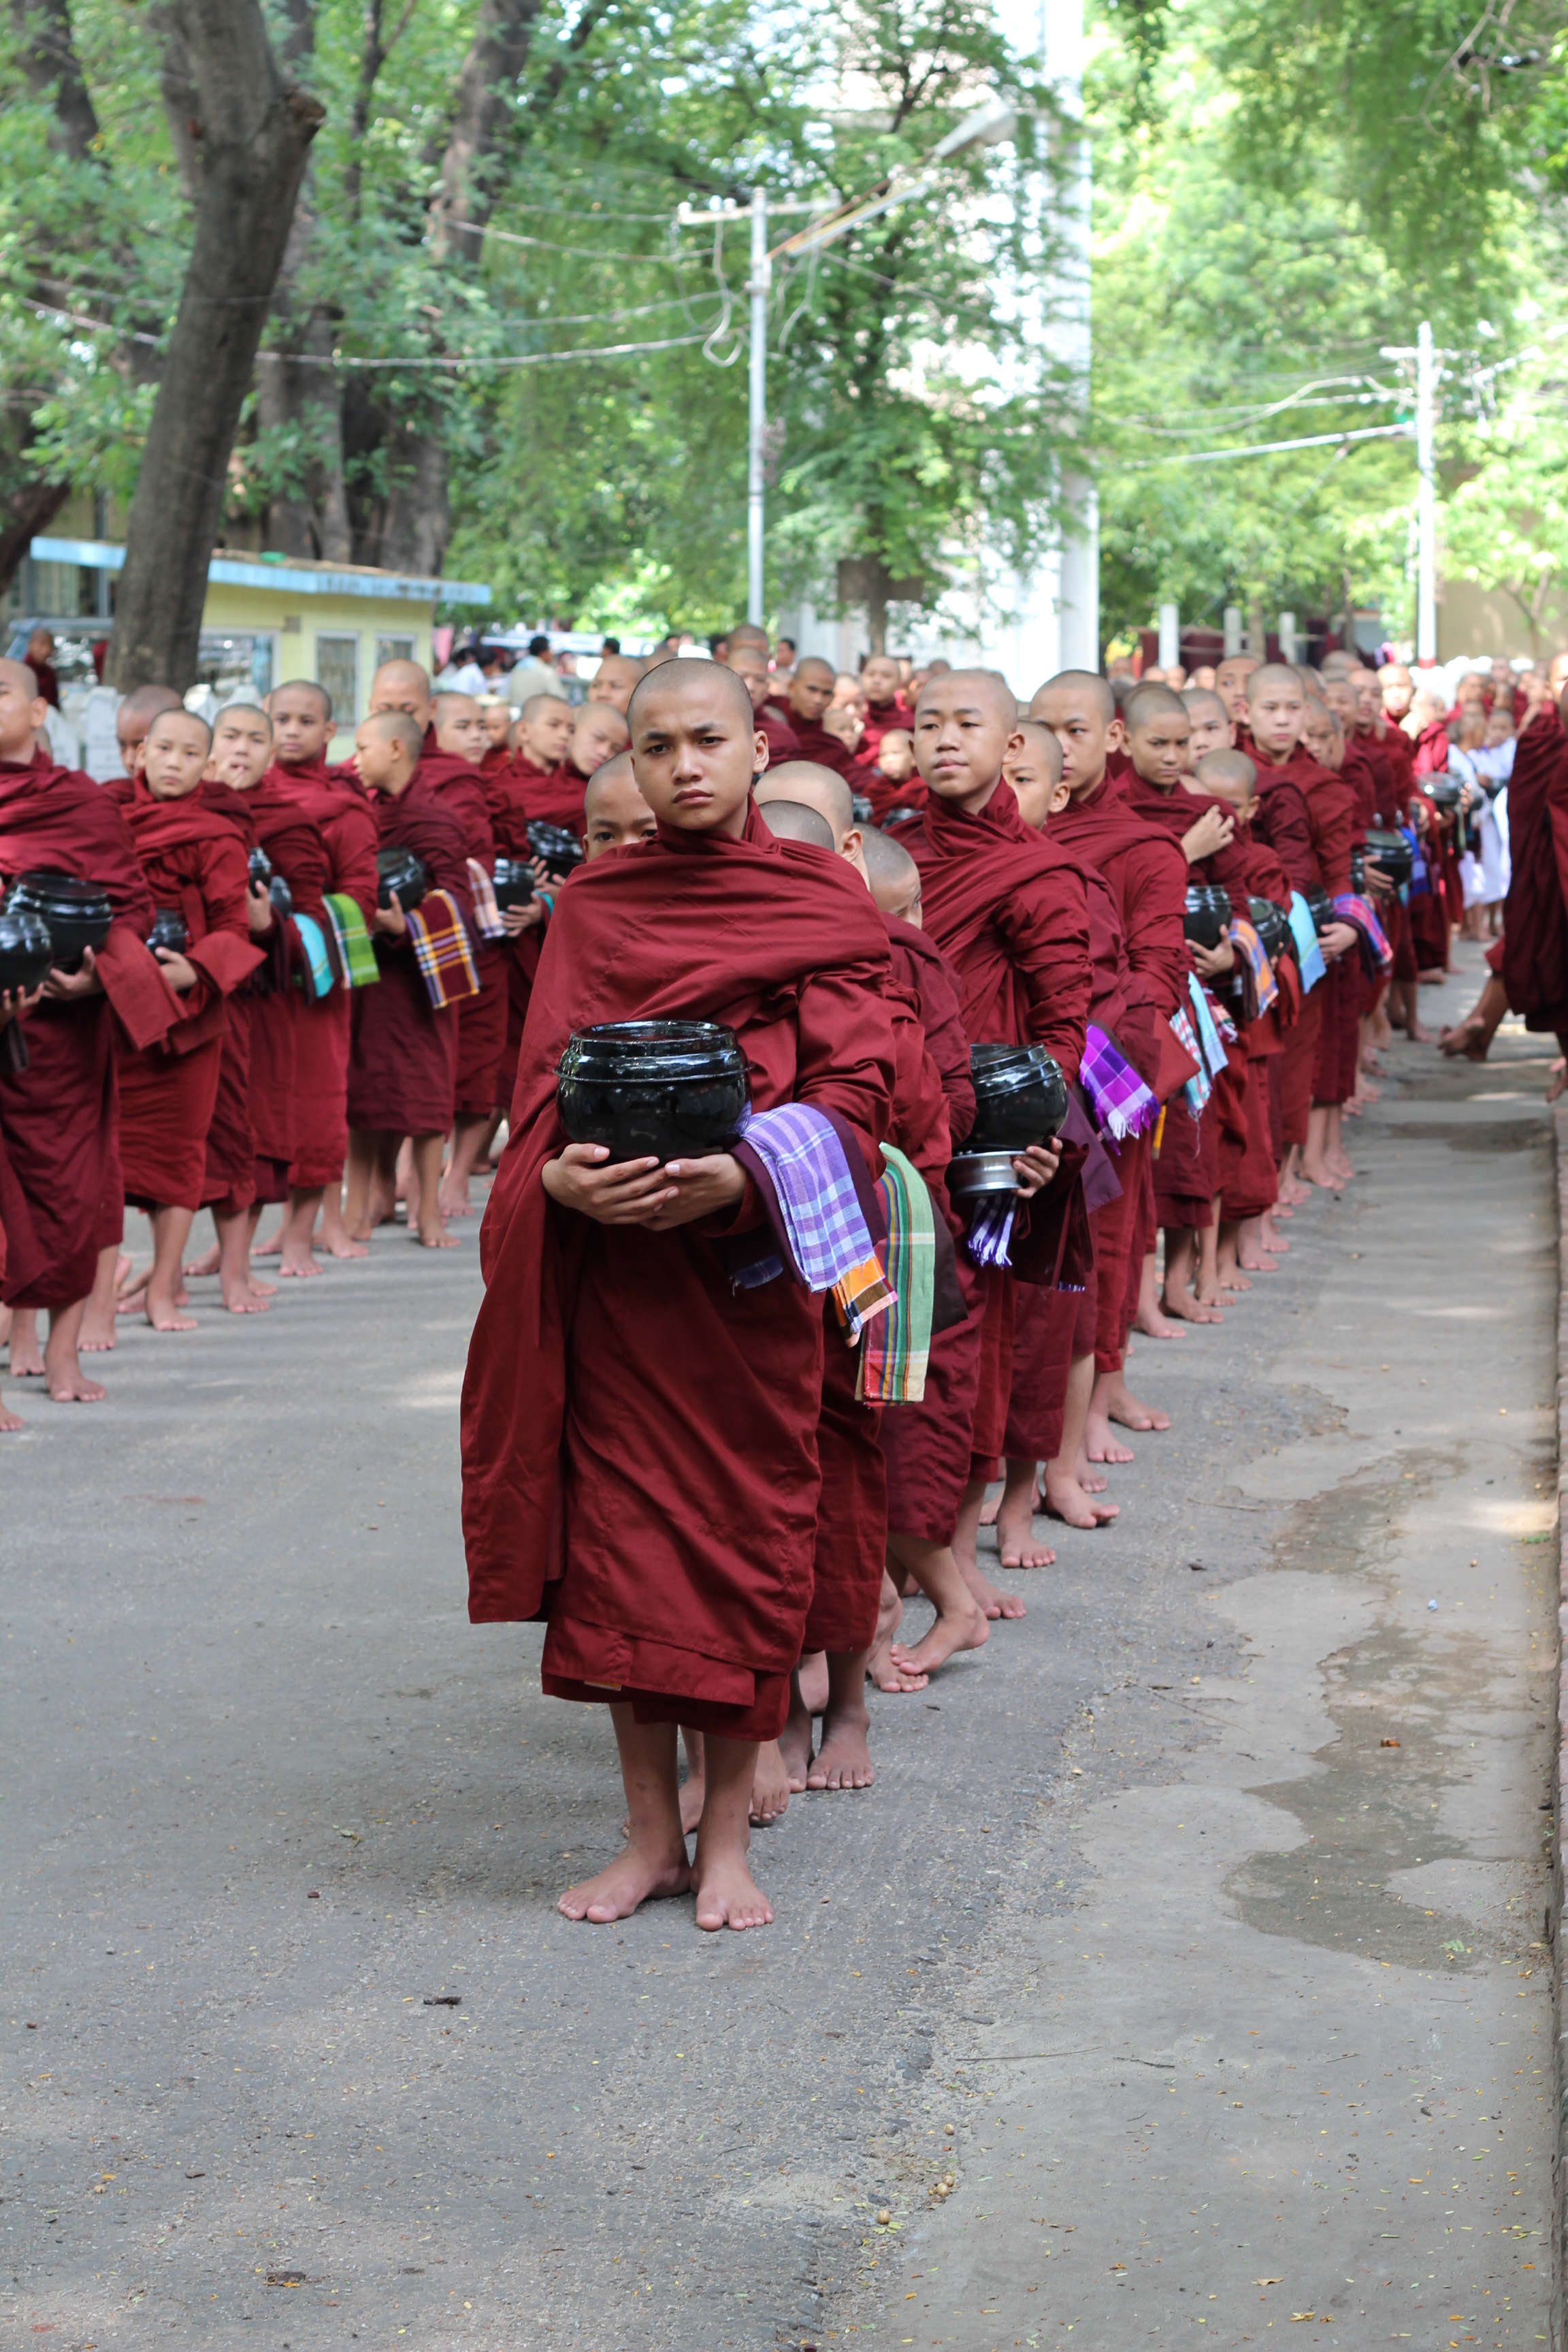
[1237,2012]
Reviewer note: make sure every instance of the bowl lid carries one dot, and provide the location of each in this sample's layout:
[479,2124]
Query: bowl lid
[64,889]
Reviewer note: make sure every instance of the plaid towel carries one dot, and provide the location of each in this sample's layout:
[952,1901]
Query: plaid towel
[892,1363]
[440,939]
[1264,989]
[1211,1025]
[487,914]
[357,966]
[1121,1103]
[860,1295]
[991,1229]
[829,1237]
[1376,955]
[1420,883]
[1304,931]
[317,982]
[1197,1089]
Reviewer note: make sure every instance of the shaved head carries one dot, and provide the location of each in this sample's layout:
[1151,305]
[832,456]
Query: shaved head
[139,710]
[1147,702]
[987,687]
[894,877]
[25,680]
[1085,685]
[1198,698]
[396,727]
[747,632]
[402,686]
[793,821]
[1268,674]
[813,787]
[307,686]
[169,722]
[1228,775]
[1045,742]
[673,678]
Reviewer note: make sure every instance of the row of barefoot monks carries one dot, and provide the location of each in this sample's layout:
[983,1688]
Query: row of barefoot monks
[665,1453]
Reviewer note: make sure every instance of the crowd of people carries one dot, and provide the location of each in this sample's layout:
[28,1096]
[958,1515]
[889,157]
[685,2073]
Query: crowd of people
[724,1414]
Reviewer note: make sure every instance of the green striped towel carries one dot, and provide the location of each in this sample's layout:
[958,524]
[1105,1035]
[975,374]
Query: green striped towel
[356,957]
[896,1347]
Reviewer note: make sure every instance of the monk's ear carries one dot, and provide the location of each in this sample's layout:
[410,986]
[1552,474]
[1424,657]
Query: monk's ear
[854,844]
[1060,795]
[758,754]
[1017,742]
[1116,733]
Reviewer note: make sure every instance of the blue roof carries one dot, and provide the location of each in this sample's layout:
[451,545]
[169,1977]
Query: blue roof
[266,571]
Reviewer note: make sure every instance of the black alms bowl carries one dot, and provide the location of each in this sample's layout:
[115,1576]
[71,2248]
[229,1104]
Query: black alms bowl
[1444,791]
[1391,853]
[1321,908]
[169,930]
[25,953]
[1207,914]
[1020,1097]
[77,913]
[259,866]
[513,880]
[282,897]
[400,870]
[559,850]
[665,1090]
[1271,925]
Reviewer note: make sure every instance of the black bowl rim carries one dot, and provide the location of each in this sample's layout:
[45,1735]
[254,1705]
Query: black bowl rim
[82,897]
[634,1034]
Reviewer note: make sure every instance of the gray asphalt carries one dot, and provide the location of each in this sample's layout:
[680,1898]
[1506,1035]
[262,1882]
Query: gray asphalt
[300,2052]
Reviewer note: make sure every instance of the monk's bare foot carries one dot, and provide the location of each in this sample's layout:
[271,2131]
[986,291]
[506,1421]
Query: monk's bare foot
[988,1511]
[1122,1406]
[1231,1278]
[729,1896]
[1065,1500]
[795,1748]
[1017,1546]
[1292,1193]
[272,1247]
[431,1233]
[1187,1308]
[963,1626]
[343,1244]
[992,1601]
[8,1420]
[1256,1260]
[640,1874]
[1341,1167]
[68,1385]
[1557,1081]
[1469,1037]
[813,1681]
[242,1297]
[297,1261]
[1092,1481]
[97,1336]
[884,1669]
[844,1758]
[1156,1325]
[1102,1443]
[454,1202]
[770,1785]
[27,1357]
[195,1269]
[163,1313]
[1268,1240]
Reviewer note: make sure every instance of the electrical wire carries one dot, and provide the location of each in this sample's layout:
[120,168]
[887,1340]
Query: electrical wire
[1269,448]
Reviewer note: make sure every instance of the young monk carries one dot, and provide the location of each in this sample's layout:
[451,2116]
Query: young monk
[1209,726]
[615,680]
[1330,808]
[1230,685]
[497,712]
[885,707]
[194,862]
[239,759]
[1010,913]
[58,1116]
[1147,875]
[616,815]
[456,725]
[302,715]
[750,662]
[402,1068]
[810,693]
[540,740]
[638,1434]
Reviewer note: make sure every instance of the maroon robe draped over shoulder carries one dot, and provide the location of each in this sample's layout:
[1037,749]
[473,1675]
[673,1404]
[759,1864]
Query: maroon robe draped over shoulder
[59,1117]
[640,1436]
[403,1059]
[194,861]
[1534,959]
[1147,874]
[332,801]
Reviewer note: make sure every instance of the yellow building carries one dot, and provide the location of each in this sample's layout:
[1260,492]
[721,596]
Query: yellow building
[267,617]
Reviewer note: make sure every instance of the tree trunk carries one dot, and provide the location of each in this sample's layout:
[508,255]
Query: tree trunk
[254,134]
[28,507]
[42,45]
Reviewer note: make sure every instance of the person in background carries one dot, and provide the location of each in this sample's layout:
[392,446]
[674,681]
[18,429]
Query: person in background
[40,660]
[534,675]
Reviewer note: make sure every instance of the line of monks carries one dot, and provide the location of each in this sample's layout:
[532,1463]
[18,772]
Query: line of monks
[668,1455]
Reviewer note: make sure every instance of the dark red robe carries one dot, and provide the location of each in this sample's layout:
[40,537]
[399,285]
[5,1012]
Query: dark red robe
[552,796]
[194,861]
[813,742]
[332,800]
[403,1059]
[59,1126]
[482,1020]
[285,830]
[627,1410]
[1534,959]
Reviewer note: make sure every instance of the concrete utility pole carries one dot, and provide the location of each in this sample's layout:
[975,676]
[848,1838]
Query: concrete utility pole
[1426,495]
[1170,638]
[757,420]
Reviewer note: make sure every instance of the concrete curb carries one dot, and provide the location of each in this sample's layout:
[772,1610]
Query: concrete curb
[1559,2154]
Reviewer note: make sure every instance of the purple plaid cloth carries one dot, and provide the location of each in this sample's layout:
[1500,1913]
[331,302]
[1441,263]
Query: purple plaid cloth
[1264,987]
[1121,1103]
[805,1164]
[1375,953]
